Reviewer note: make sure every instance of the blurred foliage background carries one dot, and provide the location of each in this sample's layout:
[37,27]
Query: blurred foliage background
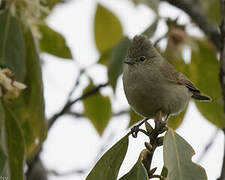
[25,35]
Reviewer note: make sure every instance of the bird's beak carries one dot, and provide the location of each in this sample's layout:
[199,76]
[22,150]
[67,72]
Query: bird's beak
[127,61]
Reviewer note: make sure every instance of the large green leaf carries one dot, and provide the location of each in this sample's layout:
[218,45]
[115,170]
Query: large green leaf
[12,45]
[108,166]
[97,108]
[115,67]
[15,146]
[107,29]
[138,172]
[177,154]
[29,107]
[53,43]
[204,73]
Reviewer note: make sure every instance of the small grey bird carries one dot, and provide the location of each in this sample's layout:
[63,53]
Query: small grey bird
[152,84]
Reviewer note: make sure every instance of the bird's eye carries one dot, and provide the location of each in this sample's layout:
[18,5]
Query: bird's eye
[142,58]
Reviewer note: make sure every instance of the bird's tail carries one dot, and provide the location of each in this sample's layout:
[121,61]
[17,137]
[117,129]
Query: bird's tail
[201,97]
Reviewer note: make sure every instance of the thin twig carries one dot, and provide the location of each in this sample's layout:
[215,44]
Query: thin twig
[76,84]
[68,105]
[208,146]
[80,115]
[193,9]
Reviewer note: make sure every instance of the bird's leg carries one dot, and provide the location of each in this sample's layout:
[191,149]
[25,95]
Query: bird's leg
[134,130]
[159,119]
[167,118]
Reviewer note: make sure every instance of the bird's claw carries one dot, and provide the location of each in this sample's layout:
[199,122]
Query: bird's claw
[134,131]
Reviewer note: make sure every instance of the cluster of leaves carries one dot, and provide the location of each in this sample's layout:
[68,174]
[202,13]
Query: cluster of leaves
[177,154]
[23,127]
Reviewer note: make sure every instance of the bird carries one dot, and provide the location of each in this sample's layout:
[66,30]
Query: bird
[152,85]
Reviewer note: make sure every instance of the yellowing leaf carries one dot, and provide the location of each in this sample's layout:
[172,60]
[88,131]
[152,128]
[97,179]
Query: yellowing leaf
[177,155]
[108,166]
[107,29]
[53,43]
[97,108]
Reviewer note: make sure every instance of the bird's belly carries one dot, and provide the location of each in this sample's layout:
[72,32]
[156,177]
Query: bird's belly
[148,100]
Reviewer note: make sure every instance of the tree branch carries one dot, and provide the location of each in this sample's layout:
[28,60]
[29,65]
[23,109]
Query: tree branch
[222,71]
[193,9]
[68,105]
[80,115]
[208,146]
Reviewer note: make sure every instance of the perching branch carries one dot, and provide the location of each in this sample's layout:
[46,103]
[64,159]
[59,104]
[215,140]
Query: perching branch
[193,9]
[155,141]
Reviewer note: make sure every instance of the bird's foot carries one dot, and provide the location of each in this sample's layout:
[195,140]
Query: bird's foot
[134,131]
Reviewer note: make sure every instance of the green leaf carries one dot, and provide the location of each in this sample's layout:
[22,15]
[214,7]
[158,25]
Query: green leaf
[138,172]
[29,107]
[97,108]
[15,146]
[107,29]
[203,72]
[164,172]
[53,43]
[3,155]
[109,164]
[12,45]
[3,158]
[134,118]
[105,56]
[115,67]
[175,121]
[177,154]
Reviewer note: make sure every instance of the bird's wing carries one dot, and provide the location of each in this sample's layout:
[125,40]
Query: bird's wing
[174,76]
